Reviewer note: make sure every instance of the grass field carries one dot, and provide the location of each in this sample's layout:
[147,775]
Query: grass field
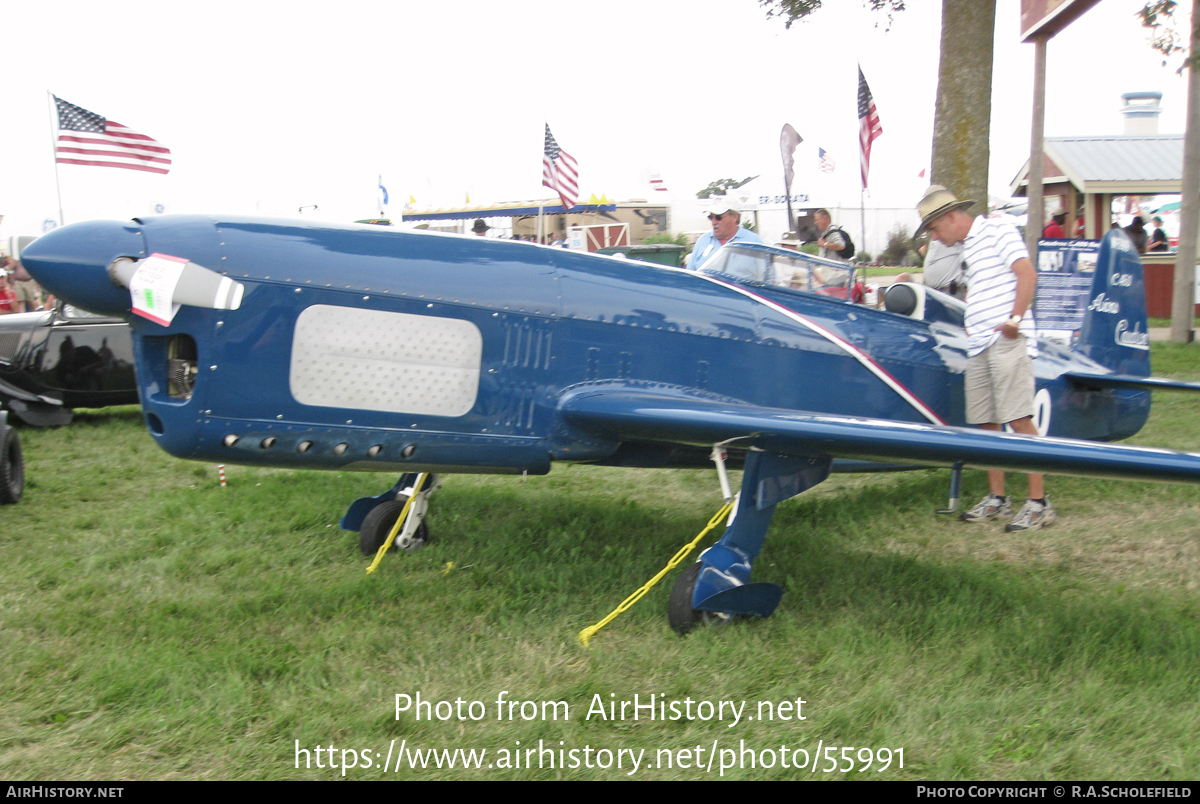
[870,272]
[156,626]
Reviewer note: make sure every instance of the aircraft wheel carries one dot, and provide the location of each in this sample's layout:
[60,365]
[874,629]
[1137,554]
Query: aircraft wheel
[12,467]
[379,523]
[680,614]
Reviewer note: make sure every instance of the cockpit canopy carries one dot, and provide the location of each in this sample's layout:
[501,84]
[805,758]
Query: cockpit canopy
[755,262]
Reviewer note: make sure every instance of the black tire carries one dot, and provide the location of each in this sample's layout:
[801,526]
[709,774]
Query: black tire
[379,523]
[680,614]
[12,467]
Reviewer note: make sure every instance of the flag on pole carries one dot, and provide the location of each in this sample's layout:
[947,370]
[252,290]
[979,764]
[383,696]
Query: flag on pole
[869,126]
[86,138]
[827,165]
[656,181]
[384,189]
[560,171]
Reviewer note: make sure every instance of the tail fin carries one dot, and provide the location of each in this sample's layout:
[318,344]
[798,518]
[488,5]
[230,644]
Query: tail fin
[1115,331]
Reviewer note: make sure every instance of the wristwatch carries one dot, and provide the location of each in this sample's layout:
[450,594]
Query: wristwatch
[1015,320]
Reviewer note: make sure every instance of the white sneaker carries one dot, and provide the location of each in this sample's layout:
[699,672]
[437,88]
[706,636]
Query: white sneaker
[991,507]
[1032,516]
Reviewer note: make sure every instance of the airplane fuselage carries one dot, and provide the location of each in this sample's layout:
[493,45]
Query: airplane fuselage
[373,349]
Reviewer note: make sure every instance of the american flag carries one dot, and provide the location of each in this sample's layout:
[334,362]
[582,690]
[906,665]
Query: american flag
[869,126]
[86,138]
[656,181]
[560,171]
[827,164]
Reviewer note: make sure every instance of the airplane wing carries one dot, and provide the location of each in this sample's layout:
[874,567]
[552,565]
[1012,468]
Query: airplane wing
[663,414]
[1086,380]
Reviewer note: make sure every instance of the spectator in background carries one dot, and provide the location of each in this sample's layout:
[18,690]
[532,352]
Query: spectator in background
[8,299]
[944,268]
[1137,233]
[27,290]
[1054,229]
[833,241]
[726,220]
[1158,239]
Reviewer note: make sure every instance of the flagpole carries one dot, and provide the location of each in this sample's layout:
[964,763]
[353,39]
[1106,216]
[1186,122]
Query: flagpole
[862,214]
[542,201]
[869,127]
[54,153]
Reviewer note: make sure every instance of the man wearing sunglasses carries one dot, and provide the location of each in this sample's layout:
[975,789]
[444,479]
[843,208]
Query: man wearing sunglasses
[726,221]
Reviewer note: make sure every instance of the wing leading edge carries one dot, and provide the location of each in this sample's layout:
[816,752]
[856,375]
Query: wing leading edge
[678,416]
[1086,380]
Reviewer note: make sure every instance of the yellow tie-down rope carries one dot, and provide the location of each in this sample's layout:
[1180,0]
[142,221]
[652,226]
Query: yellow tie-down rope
[586,634]
[383,548]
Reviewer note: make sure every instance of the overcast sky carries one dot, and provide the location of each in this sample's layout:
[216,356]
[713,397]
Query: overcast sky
[270,106]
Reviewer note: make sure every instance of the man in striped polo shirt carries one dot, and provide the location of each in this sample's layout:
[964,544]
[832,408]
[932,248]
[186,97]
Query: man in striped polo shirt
[999,385]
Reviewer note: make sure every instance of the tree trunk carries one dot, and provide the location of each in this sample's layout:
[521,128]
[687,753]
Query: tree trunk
[964,100]
[1183,296]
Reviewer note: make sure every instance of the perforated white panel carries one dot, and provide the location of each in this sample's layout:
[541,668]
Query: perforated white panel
[374,360]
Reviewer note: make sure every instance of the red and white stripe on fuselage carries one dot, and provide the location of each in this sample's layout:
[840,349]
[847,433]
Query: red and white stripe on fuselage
[849,348]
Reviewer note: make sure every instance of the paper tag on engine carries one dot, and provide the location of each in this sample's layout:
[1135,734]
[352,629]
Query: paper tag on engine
[153,286]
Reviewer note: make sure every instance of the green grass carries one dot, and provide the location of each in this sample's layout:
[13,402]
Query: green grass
[886,270]
[156,626]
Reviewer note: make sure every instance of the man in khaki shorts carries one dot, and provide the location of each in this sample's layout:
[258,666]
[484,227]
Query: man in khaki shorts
[25,288]
[999,384]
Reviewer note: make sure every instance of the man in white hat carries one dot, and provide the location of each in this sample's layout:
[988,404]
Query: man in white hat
[999,385]
[726,220]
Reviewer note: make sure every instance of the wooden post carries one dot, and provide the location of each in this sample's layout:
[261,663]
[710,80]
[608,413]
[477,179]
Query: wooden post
[1037,168]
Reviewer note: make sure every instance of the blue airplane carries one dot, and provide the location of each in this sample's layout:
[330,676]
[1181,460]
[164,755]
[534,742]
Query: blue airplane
[358,347]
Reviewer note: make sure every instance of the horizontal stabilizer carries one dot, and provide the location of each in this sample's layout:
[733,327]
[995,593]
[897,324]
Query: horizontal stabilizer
[663,414]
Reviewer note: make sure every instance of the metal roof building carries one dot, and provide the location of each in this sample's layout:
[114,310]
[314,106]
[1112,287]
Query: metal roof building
[1088,171]
[1133,165]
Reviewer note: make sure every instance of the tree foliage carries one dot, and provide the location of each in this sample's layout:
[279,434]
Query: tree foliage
[665,238]
[1165,36]
[723,186]
[793,10]
[898,247]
